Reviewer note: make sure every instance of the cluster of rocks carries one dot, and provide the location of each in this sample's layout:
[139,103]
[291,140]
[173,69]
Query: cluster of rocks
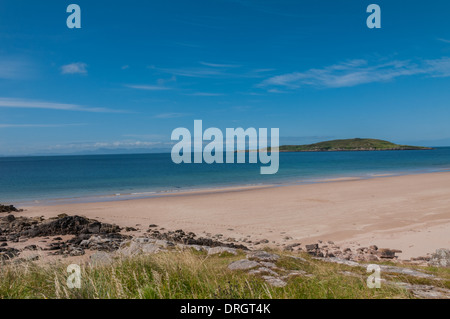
[9,209]
[179,236]
[8,253]
[441,258]
[263,263]
[418,290]
[87,234]
[361,254]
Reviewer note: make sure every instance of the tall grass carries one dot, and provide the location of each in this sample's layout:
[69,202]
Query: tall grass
[184,274]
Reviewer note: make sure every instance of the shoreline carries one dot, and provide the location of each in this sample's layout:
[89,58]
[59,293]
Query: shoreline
[213,189]
[408,212]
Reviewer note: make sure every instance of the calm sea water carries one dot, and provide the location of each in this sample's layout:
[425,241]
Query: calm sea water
[29,179]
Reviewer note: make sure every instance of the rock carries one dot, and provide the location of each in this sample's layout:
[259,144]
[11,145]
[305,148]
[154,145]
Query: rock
[181,237]
[406,271]
[441,258]
[9,218]
[291,246]
[101,258]
[31,247]
[243,264]
[373,247]
[195,247]
[76,252]
[8,253]
[32,257]
[164,243]
[70,225]
[275,282]
[142,240]
[262,270]
[9,209]
[262,256]
[130,248]
[268,264]
[296,273]
[104,242]
[316,253]
[424,291]
[387,253]
[133,248]
[340,261]
[312,247]
[150,249]
[221,250]
[370,258]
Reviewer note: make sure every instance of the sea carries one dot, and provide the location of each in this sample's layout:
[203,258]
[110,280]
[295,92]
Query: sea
[56,179]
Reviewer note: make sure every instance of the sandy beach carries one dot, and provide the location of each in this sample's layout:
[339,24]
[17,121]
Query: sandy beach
[410,213]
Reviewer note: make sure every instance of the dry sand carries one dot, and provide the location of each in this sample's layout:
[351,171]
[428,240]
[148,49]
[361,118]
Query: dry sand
[411,213]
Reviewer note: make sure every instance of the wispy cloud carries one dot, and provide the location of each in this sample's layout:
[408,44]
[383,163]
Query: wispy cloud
[208,70]
[148,87]
[12,68]
[170,115]
[91,146]
[205,94]
[195,72]
[357,72]
[215,71]
[443,40]
[38,125]
[158,137]
[30,104]
[217,65]
[74,68]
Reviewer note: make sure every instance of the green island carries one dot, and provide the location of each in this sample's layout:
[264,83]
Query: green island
[355,144]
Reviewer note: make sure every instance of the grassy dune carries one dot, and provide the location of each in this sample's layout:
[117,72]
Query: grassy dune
[191,274]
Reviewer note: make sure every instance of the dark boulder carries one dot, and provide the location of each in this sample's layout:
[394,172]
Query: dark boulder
[8,209]
[70,225]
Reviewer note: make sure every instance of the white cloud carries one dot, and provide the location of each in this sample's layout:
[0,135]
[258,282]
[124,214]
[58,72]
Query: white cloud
[148,87]
[170,115]
[12,68]
[107,145]
[31,104]
[444,40]
[357,72]
[205,94]
[214,70]
[216,65]
[195,72]
[74,68]
[37,125]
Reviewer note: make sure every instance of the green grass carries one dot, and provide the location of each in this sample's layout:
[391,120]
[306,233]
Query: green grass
[186,274]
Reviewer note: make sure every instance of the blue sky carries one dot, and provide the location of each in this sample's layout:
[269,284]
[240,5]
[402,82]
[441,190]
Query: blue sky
[137,70]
